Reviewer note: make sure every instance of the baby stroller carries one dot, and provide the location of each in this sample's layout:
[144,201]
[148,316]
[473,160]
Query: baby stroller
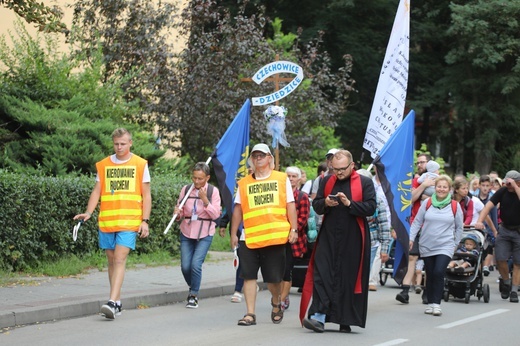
[469,282]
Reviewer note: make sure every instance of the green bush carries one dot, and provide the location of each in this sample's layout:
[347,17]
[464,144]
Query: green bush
[37,211]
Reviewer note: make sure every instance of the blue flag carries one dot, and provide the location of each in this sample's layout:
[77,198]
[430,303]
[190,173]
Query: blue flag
[230,155]
[394,165]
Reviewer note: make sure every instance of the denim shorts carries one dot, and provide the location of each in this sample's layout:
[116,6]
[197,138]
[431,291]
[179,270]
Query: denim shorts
[108,241]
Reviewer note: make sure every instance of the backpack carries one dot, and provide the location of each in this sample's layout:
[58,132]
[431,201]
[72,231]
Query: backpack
[209,193]
[312,228]
[453,206]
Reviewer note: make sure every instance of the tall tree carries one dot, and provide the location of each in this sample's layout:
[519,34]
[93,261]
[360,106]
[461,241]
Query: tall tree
[221,50]
[135,40]
[484,77]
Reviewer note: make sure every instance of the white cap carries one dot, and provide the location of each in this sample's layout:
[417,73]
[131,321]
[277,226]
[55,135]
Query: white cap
[261,147]
[332,152]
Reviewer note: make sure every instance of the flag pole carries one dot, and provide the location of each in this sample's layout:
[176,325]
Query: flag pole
[183,202]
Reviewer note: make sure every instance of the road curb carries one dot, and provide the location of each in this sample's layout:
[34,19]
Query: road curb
[32,315]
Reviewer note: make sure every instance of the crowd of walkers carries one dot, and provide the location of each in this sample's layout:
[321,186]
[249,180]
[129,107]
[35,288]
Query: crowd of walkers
[270,228]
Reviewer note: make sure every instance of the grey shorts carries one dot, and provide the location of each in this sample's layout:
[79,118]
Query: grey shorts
[507,244]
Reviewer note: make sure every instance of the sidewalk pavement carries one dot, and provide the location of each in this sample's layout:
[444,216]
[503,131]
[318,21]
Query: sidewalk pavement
[48,298]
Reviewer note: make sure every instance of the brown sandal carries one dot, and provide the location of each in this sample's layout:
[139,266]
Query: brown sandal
[278,314]
[246,321]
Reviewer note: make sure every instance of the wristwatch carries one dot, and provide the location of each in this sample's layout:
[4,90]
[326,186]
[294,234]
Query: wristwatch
[146,220]
[294,230]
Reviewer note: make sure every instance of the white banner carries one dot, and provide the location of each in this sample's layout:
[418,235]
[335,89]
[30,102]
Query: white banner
[388,107]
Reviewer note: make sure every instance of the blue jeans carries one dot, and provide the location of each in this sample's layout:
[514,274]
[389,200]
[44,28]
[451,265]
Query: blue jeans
[373,251]
[193,254]
[435,268]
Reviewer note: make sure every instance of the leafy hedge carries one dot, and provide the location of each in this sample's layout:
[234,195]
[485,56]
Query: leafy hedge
[36,218]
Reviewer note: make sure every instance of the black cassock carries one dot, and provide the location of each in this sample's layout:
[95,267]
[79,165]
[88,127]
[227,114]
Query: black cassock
[337,255]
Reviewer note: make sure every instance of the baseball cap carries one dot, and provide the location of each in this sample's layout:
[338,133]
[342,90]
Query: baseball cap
[513,175]
[332,152]
[261,147]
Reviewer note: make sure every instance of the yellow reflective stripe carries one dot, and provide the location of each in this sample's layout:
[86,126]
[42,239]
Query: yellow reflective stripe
[269,226]
[121,197]
[108,213]
[265,211]
[120,223]
[270,236]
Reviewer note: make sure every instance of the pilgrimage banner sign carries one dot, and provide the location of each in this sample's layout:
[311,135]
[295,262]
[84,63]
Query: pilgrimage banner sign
[388,107]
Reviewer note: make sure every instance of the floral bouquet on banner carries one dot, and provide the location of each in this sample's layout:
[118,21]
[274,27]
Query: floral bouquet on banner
[275,116]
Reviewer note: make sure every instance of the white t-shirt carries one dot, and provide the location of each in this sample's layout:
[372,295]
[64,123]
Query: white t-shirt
[477,208]
[307,187]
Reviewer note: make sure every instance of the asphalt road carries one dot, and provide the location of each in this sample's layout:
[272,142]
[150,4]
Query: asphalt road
[215,323]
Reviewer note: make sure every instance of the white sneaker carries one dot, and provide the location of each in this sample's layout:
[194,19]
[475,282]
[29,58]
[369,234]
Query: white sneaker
[119,308]
[109,310]
[193,302]
[437,311]
[429,310]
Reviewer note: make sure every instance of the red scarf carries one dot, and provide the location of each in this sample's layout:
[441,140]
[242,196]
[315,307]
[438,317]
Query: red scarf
[357,196]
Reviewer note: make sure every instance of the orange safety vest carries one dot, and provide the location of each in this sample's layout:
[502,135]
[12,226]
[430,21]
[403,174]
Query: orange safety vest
[264,208]
[121,196]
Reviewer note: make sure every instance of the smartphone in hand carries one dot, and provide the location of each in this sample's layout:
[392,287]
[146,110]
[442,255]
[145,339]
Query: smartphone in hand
[334,197]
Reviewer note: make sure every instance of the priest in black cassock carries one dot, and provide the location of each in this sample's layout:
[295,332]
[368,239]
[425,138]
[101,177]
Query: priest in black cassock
[339,269]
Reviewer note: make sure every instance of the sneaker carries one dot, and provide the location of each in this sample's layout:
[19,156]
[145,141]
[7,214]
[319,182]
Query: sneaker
[485,271]
[513,297]
[418,289]
[436,311]
[285,304]
[402,297]
[119,308]
[492,268]
[429,310]
[109,310]
[504,288]
[193,302]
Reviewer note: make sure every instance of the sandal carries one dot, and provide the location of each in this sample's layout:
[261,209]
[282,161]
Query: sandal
[236,297]
[278,314]
[244,321]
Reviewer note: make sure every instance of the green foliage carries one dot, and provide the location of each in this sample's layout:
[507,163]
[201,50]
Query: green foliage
[180,166]
[281,42]
[45,18]
[37,212]
[220,243]
[57,121]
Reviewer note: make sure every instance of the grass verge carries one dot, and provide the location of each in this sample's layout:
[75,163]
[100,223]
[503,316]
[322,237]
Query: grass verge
[74,265]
